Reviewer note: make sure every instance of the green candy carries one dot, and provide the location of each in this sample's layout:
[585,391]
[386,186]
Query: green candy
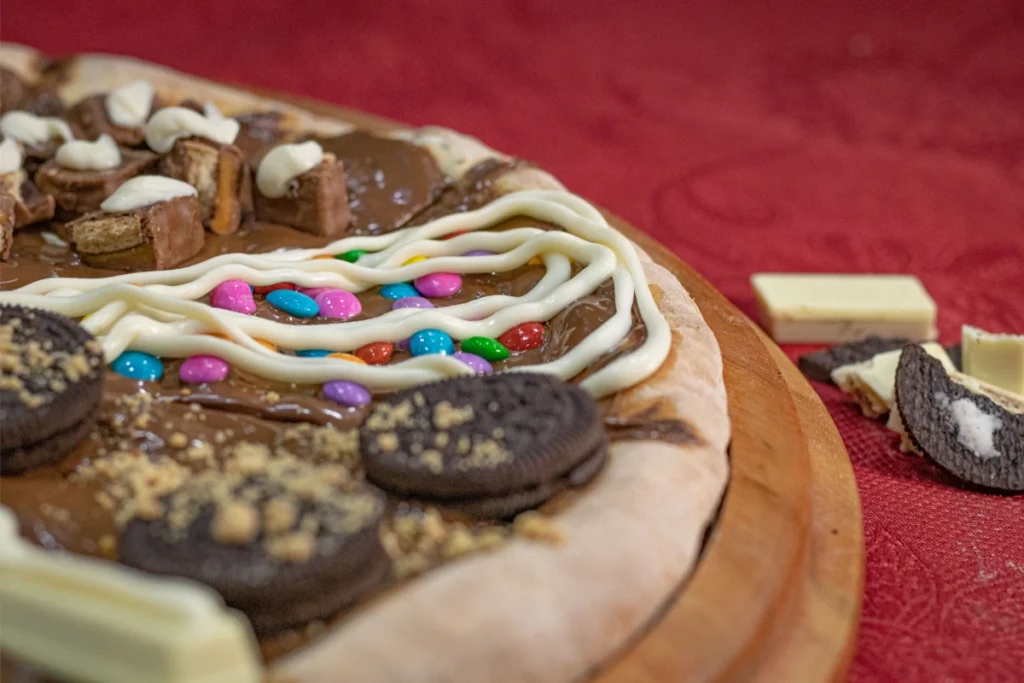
[489,349]
[351,256]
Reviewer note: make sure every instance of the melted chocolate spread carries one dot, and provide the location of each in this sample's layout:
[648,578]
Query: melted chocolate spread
[391,184]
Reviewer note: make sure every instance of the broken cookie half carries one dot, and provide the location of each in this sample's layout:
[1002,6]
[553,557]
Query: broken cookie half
[149,223]
[968,434]
[300,186]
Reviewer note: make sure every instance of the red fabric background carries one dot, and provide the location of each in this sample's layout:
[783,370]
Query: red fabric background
[876,136]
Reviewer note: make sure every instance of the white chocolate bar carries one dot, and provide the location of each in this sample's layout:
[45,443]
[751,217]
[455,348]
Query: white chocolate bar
[873,382]
[828,309]
[994,358]
[85,619]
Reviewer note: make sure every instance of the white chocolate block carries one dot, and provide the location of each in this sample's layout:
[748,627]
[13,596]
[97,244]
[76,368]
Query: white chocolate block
[873,382]
[994,358]
[86,619]
[829,309]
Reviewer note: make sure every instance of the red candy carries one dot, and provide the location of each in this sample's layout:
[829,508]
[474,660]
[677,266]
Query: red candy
[523,337]
[267,289]
[377,353]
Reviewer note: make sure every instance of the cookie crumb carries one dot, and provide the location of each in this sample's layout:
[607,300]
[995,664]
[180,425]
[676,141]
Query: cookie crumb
[235,523]
[178,440]
[537,527]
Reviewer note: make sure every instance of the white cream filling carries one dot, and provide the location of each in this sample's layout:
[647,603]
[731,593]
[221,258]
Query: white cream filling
[166,126]
[158,312]
[82,155]
[284,164]
[30,129]
[10,156]
[129,105]
[976,429]
[145,190]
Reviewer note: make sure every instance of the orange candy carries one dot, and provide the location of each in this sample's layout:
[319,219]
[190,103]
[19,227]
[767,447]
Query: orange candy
[347,356]
[262,342]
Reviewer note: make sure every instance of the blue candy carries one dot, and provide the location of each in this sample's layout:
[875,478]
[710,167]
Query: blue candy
[431,341]
[313,353]
[398,290]
[293,303]
[138,365]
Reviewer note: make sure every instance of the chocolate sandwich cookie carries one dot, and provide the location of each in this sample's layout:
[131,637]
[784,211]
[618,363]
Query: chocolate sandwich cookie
[489,445]
[820,364]
[286,545]
[51,380]
[967,434]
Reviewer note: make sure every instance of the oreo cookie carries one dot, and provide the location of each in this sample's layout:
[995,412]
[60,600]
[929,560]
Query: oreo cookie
[968,435]
[820,364]
[489,445]
[51,382]
[956,355]
[283,549]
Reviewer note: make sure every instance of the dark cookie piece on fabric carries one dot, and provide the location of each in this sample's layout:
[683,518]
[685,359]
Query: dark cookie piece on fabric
[51,380]
[516,438]
[966,434]
[285,545]
[956,355]
[820,364]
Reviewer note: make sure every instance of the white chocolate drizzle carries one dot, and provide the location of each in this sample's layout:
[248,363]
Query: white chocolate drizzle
[285,163]
[129,105]
[167,125]
[82,155]
[145,190]
[158,311]
[29,129]
[10,156]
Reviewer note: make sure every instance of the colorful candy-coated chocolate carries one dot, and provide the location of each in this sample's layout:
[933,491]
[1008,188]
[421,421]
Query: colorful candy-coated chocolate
[293,303]
[438,285]
[398,290]
[346,393]
[313,353]
[349,357]
[322,257]
[414,259]
[313,292]
[338,304]
[262,342]
[402,344]
[203,369]
[479,252]
[351,256]
[267,289]
[376,353]
[523,337]
[138,365]
[411,302]
[479,365]
[456,234]
[485,347]
[431,341]
[233,295]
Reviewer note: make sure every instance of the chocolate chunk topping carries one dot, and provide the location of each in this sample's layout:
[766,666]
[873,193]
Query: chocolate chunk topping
[257,133]
[820,364]
[12,90]
[77,192]
[970,436]
[51,380]
[473,191]
[482,437]
[389,181]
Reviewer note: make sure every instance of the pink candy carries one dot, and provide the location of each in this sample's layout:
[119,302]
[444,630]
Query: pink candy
[203,369]
[337,303]
[438,285]
[233,295]
[314,292]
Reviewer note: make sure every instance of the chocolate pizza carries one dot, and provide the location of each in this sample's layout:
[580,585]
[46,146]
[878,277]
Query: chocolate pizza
[402,402]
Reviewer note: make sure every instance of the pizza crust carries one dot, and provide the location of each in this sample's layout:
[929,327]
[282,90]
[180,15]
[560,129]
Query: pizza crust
[528,611]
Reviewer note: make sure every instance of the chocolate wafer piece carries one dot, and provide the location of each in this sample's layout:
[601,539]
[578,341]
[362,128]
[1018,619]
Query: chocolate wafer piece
[820,364]
[967,434]
[77,192]
[218,173]
[51,381]
[7,203]
[285,545]
[491,445]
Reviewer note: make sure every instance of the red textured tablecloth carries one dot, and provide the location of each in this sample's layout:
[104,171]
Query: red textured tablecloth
[747,136]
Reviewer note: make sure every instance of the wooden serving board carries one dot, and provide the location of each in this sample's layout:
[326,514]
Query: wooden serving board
[776,595]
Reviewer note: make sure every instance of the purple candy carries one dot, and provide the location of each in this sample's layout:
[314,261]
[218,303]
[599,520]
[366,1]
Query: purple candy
[337,303]
[480,366]
[203,369]
[438,285]
[233,295]
[403,344]
[314,292]
[411,302]
[343,392]
[479,252]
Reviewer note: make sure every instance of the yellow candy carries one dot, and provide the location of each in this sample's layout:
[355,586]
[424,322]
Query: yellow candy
[535,261]
[414,259]
[347,356]
[323,256]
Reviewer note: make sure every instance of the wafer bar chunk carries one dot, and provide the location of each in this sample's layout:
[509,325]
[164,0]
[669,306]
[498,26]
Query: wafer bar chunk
[150,223]
[81,191]
[300,186]
[818,308]
[31,204]
[7,202]
[216,170]
[994,358]
[121,113]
